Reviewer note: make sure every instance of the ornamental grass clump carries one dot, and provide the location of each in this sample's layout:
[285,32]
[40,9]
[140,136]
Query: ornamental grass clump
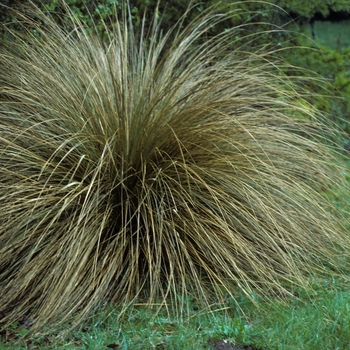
[155,167]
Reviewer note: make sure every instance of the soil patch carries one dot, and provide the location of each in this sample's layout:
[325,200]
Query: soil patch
[225,345]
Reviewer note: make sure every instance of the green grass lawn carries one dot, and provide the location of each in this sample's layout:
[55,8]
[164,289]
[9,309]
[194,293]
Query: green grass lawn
[320,321]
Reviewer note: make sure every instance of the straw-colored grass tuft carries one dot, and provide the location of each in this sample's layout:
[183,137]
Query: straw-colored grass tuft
[147,167]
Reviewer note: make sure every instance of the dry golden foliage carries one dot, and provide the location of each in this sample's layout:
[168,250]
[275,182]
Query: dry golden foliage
[157,167]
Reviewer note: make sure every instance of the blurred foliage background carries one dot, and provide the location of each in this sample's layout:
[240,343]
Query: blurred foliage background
[294,29]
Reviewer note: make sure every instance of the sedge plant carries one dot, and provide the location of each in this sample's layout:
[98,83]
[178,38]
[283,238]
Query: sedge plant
[146,167]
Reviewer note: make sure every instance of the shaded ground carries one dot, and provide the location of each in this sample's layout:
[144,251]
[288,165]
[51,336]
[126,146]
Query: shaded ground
[225,345]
